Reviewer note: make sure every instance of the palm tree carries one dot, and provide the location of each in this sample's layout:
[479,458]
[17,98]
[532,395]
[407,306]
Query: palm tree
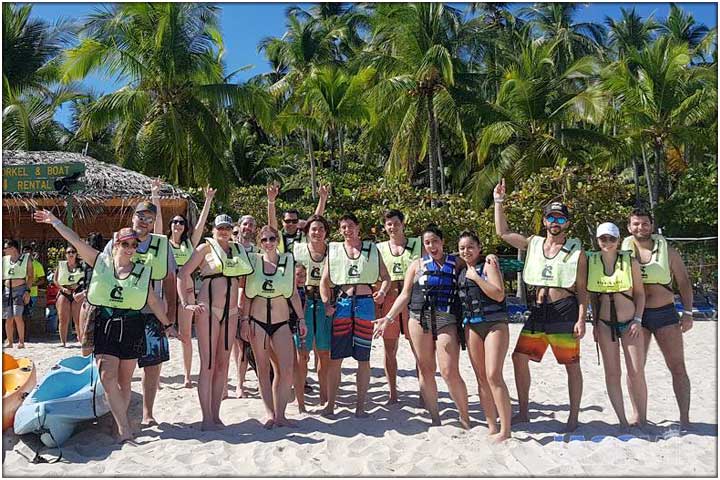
[630,33]
[682,28]
[521,130]
[413,47]
[667,104]
[167,117]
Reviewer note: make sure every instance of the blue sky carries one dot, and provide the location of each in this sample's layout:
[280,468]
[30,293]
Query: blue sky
[245,24]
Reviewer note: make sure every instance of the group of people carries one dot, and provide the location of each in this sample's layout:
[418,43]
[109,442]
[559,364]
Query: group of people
[275,294]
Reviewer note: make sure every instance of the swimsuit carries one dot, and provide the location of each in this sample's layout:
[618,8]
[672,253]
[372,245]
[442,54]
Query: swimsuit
[352,327]
[551,323]
[656,318]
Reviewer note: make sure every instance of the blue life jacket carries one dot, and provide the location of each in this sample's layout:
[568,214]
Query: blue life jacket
[436,287]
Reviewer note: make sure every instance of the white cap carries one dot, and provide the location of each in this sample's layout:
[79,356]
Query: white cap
[608,228]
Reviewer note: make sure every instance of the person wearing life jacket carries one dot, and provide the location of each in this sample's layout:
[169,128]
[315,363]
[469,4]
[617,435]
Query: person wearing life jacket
[265,323]
[310,263]
[119,288]
[556,266]
[485,317]
[293,226]
[222,264]
[39,280]
[67,277]
[18,273]
[244,233]
[618,299]
[87,311]
[660,264]
[351,269]
[397,254]
[430,289]
[182,244]
[153,251]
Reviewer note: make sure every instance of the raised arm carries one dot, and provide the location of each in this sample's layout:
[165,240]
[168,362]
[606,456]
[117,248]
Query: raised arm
[85,250]
[155,198]
[272,193]
[200,225]
[682,279]
[501,227]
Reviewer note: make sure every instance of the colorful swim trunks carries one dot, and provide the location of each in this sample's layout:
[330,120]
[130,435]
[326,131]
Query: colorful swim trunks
[318,326]
[352,328]
[553,327]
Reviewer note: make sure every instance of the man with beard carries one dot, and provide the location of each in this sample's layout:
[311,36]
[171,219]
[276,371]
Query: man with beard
[153,250]
[244,233]
[556,266]
[659,265]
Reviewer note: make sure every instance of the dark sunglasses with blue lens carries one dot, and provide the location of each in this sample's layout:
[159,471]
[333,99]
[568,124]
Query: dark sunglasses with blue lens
[554,219]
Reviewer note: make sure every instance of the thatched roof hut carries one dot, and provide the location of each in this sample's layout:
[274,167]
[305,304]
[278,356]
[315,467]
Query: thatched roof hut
[105,203]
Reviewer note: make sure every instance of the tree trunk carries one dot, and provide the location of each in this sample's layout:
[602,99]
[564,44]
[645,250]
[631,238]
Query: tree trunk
[648,179]
[636,179]
[331,141]
[341,141]
[312,163]
[659,159]
[441,166]
[432,150]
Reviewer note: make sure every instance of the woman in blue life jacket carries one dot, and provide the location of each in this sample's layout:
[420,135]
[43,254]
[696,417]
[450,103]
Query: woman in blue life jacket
[119,289]
[484,312]
[182,241]
[430,288]
[618,299]
[265,323]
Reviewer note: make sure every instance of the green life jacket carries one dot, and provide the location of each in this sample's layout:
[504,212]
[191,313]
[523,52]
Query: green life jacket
[68,277]
[657,270]
[183,253]
[313,269]
[620,280]
[363,270]
[106,290]
[559,271]
[236,265]
[397,265]
[16,270]
[155,256]
[271,285]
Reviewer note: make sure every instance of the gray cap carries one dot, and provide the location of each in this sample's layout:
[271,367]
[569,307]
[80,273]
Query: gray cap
[223,220]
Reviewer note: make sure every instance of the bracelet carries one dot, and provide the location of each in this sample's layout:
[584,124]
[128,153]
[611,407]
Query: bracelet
[271,203]
[184,305]
[637,319]
[687,312]
[499,201]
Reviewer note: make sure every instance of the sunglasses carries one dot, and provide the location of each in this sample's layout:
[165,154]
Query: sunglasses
[607,238]
[236,232]
[554,219]
[144,219]
[129,244]
[291,221]
[268,239]
[179,222]
[70,252]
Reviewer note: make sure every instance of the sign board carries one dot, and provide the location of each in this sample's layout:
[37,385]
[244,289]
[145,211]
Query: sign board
[38,177]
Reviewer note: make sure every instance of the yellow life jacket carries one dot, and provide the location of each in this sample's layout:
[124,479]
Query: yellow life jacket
[363,270]
[620,280]
[657,270]
[155,256]
[236,265]
[559,271]
[106,290]
[271,285]
[182,253]
[397,265]
[299,237]
[66,276]
[15,270]
[313,269]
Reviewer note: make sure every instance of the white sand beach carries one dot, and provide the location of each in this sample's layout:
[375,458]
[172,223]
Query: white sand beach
[397,441]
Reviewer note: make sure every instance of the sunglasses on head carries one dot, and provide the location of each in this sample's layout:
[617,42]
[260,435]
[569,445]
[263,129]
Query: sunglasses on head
[607,238]
[129,244]
[268,239]
[554,219]
[179,222]
[291,220]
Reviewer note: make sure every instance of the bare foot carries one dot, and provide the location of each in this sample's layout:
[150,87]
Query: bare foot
[498,437]
[284,422]
[519,418]
[8,345]
[465,423]
[571,426]
[392,401]
[302,409]
[239,392]
[21,345]
[492,429]
[435,420]
[148,422]
[267,422]
[218,422]
[327,412]
[188,384]
[361,413]
[209,426]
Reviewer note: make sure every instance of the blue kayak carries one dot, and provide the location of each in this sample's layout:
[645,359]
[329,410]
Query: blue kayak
[71,393]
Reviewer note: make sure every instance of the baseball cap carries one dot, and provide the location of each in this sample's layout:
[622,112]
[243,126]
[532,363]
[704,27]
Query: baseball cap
[608,228]
[223,220]
[146,206]
[126,233]
[556,207]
